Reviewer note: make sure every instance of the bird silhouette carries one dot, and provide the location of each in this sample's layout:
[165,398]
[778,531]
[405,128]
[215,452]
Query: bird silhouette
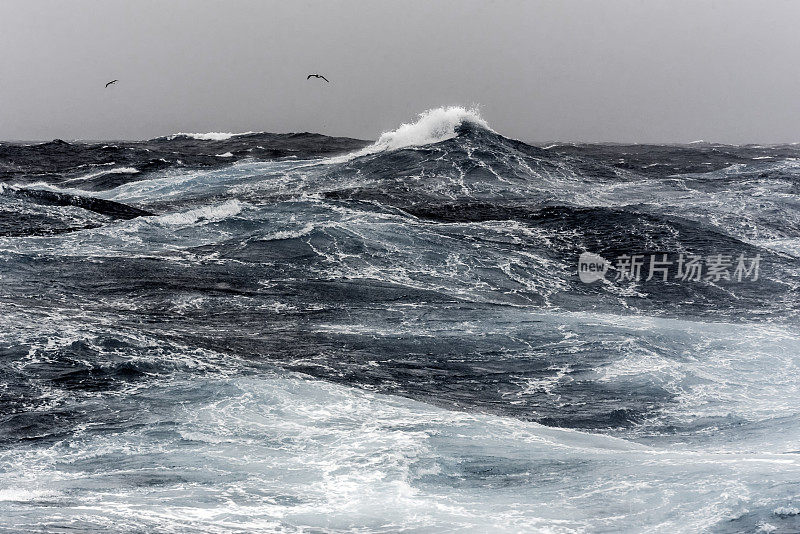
[317,76]
[112,81]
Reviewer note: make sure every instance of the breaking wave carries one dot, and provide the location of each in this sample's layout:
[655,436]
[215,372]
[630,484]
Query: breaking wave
[209,136]
[432,126]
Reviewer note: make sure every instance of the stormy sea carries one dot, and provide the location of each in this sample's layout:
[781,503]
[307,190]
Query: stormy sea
[216,332]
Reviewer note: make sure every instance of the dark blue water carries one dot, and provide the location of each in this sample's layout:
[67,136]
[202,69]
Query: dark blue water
[217,333]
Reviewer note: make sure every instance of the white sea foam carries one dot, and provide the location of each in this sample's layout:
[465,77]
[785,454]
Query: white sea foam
[209,136]
[315,456]
[118,170]
[122,170]
[432,126]
[205,213]
[225,155]
[292,234]
[22,495]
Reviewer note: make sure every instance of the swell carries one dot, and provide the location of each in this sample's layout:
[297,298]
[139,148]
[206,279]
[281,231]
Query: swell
[110,208]
[366,269]
[147,356]
[91,166]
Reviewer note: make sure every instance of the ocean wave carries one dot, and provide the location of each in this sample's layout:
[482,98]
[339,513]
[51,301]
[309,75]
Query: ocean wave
[205,213]
[119,170]
[432,126]
[208,136]
[283,453]
[429,295]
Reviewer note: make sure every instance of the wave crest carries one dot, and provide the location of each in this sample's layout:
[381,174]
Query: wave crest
[210,136]
[432,126]
[216,213]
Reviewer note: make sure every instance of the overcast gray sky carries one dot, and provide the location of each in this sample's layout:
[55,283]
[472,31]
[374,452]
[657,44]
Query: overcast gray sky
[645,71]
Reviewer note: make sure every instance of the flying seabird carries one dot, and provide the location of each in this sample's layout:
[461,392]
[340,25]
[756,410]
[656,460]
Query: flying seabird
[112,81]
[317,76]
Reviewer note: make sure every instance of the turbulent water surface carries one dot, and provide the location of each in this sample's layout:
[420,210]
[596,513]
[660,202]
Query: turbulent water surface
[216,332]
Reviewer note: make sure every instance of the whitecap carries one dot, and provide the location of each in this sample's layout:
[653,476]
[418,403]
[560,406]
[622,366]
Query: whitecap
[205,213]
[22,495]
[118,170]
[432,126]
[208,136]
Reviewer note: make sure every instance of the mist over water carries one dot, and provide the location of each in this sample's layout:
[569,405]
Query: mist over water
[293,332]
